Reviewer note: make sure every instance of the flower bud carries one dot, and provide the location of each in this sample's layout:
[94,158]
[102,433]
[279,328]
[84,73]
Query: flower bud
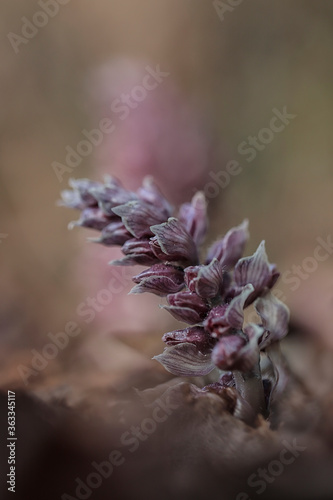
[193,216]
[137,252]
[160,279]
[227,351]
[173,243]
[150,192]
[238,351]
[257,271]
[80,196]
[194,335]
[114,233]
[85,187]
[224,317]
[230,248]
[72,199]
[274,317]
[93,218]
[138,216]
[188,307]
[112,196]
[206,281]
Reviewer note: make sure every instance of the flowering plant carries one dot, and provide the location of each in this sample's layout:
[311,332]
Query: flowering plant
[210,297]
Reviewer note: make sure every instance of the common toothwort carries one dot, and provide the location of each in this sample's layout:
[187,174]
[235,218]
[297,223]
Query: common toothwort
[210,297]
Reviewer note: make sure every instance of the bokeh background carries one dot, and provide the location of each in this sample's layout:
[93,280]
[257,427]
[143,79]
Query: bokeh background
[228,71]
[225,78]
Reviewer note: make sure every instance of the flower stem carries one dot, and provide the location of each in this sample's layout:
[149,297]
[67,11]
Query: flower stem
[251,389]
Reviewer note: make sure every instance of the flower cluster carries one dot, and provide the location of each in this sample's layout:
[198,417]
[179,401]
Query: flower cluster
[209,297]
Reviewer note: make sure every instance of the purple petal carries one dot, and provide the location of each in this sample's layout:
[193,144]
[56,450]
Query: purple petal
[189,299]
[188,307]
[160,279]
[185,360]
[224,317]
[151,193]
[72,199]
[216,323]
[140,250]
[138,216]
[137,252]
[274,317]
[172,242]
[84,187]
[185,314]
[110,197]
[249,356]
[112,181]
[234,352]
[80,197]
[133,260]
[206,281]
[93,218]
[191,275]
[114,233]
[193,216]
[225,354]
[255,270]
[193,335]
[230,248]
[158,285]
[254,332]
[234,315]
[163,270]
[275,275]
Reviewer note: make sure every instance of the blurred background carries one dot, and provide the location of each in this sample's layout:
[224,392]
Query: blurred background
[242,109]
[228,74]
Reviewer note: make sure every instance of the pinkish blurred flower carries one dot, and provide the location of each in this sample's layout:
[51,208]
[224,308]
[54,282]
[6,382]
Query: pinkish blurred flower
[164,136]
